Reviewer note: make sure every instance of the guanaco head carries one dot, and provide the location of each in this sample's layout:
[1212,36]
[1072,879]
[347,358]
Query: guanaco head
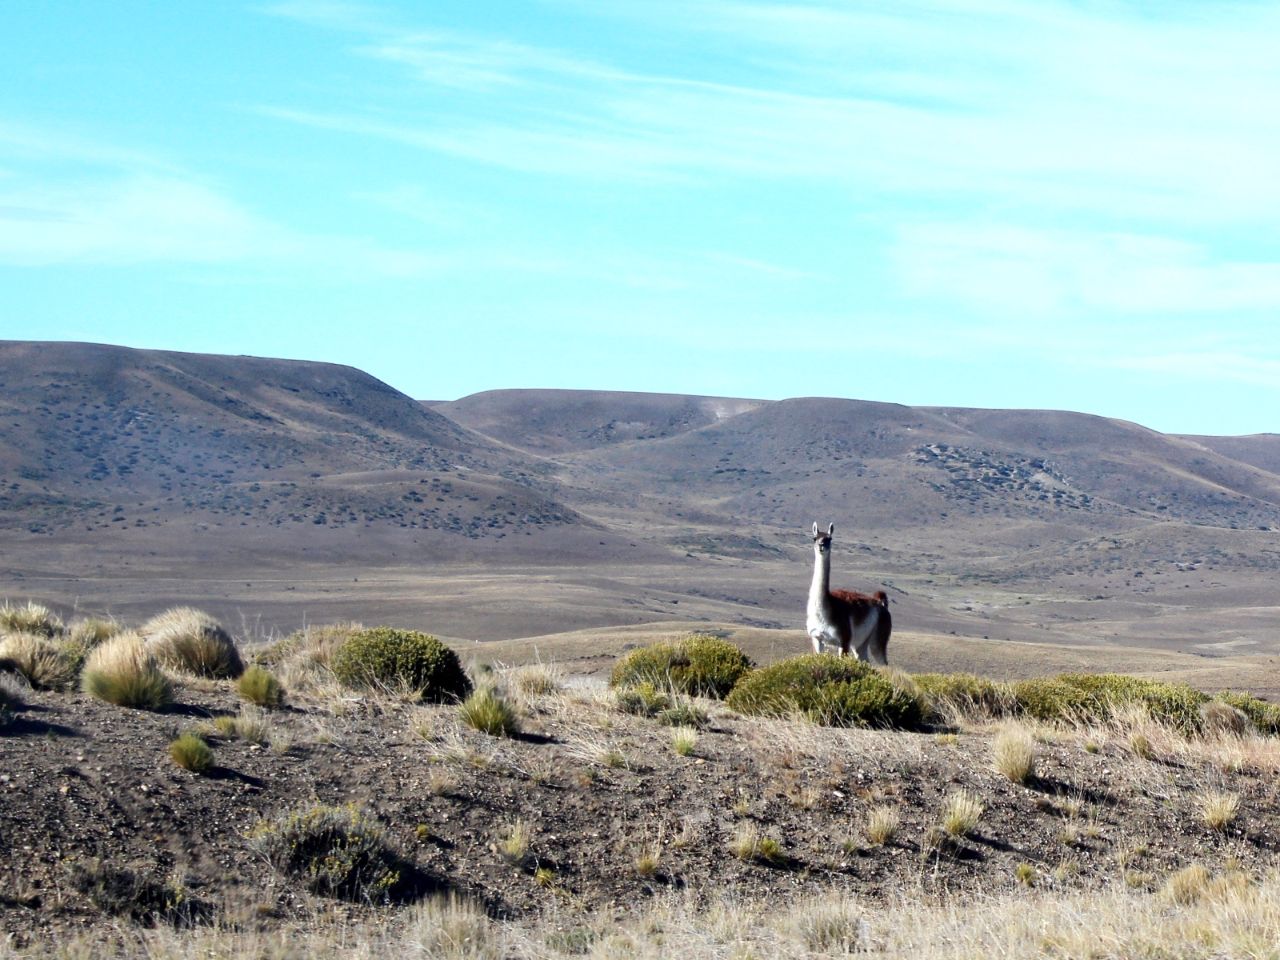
[822,541]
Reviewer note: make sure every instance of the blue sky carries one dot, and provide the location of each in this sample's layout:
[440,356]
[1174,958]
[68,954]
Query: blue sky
[963,202]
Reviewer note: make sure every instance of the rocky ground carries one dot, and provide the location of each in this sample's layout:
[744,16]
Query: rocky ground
[614,817]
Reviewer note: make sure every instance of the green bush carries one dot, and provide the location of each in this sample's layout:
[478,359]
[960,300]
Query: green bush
[385,658]
[698,665]
[191,753]
[336,851]
[1088,697]
[642,699]
[831,690]
[259,686]
[1050,699]
[1263,715]
[965,693]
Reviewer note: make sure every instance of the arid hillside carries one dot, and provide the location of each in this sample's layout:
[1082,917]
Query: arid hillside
[277,492]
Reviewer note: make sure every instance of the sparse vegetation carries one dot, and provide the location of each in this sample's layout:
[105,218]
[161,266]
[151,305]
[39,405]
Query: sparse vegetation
[401,661]
[335,851]
[259,686]
[121,671]
[698,665]
[830,690]
[488,711]
[191,641]
[748,845]
[190,752]
[122,892]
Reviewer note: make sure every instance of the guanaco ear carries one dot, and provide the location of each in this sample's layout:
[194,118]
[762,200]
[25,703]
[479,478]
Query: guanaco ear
[815,529]
[831,530]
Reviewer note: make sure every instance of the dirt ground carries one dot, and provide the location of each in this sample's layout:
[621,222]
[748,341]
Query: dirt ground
[598,791]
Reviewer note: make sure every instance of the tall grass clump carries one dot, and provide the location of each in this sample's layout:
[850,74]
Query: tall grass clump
[961,813]
[335,851]
[303,659]
[91,631]
[31,617]
[830,690]
[489,712]
[121,671]
[190,752]
[698,665]
[45,663]
[191,641]
[258,686]
[388,659]
[1218,809]
[1013,754]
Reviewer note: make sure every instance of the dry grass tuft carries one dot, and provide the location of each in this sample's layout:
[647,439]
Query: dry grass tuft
[961,813]
[488,711]
[259,686]
[92,631]
[1218,809]
[1187,885]
[121,671]
[537,679]
[1014,754]
[191,641]
[748,845]
[882,824]
[513,845]
[684,740]
[45,664]
[191,753]
[31,617]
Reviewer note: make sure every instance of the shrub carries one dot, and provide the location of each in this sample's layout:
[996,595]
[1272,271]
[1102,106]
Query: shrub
[46,664]
[121,671]
[963,693]
[831,690]
[389,659]
[698,665]
[642,699]
[191,753]
[259,686]
[487,711]
[1014,754]
[30,618]
[193,642]
[336,851]
[1048,698]
[122,892]
[1264,716]
[1092,698]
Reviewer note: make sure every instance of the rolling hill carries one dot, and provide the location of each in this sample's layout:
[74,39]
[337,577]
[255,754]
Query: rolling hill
[299,489]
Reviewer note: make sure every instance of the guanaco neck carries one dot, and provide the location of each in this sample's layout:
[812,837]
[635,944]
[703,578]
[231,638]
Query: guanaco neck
[820,589]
